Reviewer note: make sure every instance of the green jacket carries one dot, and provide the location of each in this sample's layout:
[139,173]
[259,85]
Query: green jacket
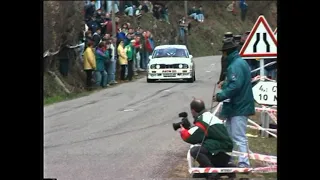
[237,88]
[191,11]
[101,57]
[217,138]
[131,52]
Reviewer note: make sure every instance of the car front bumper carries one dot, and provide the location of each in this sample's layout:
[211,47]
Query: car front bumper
[170,73]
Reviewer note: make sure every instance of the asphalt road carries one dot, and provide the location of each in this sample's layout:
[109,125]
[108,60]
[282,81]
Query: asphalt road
[123,132]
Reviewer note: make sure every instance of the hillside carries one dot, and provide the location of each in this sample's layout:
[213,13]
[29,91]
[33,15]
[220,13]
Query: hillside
[63,22]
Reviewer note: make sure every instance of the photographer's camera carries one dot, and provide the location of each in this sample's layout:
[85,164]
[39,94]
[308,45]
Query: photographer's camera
[184,122]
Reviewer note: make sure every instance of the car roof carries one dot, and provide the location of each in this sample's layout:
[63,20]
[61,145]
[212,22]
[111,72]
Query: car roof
[170,46]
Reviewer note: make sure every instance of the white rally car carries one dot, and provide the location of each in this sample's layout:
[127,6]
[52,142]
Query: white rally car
[171,62]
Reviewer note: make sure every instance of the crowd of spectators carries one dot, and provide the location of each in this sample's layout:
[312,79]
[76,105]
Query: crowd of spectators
[106,57]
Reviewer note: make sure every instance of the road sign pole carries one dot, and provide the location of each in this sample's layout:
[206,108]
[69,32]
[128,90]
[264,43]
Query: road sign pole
[263,116]
[261,68]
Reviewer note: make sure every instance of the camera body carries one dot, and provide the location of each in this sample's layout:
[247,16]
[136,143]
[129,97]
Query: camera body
[184,122]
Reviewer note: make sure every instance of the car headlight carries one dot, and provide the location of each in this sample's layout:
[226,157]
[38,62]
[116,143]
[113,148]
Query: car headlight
[153,66]
[158,66]
[184,66]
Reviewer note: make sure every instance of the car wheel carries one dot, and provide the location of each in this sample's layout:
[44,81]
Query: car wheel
[150,80]
[191,80]
[194,76]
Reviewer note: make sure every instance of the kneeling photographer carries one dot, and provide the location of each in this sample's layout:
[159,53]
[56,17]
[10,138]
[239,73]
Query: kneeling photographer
[210,132]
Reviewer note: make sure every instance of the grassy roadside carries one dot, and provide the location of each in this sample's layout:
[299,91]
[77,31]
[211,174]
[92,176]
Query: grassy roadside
[65,97]
[267,146]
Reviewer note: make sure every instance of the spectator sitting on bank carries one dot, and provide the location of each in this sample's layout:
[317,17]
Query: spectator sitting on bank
[193,12]
[165,14]
[232,8]
[102,57]
[129,10]
[109,6]
[144,7]
[156,10]
[200,16]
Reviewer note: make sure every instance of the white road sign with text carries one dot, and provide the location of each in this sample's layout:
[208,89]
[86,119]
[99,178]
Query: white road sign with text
[265,92]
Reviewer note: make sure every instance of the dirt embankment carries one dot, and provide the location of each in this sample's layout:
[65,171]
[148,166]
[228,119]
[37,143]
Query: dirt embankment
[63,22]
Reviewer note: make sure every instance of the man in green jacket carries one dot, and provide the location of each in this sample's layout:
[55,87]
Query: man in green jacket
[212,152]
[131,54]
[236,93]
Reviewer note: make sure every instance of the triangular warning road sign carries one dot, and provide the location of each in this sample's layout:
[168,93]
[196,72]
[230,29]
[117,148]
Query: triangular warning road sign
[275,32]
[261,42]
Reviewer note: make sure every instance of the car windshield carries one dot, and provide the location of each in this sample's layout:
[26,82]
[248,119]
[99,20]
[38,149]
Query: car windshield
[170,52]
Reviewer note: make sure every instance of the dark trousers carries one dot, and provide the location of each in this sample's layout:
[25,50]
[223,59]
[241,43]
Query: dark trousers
[64,67]
[130,70]
[205,159]
[122,72]
[243,14]
[89,77]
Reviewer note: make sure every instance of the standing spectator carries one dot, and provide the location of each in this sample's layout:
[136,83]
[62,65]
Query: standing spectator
[64,60]
[137,47]
[102,57]
[244,9]
[122,59]
[88,37]
[109,25]
[122,34]
[92,24]
[129,36]
[106,37]
[183,28]
[148,48]
[89,63]
[236,93]
[200,16]
[111,66]
[131,54]
[97,37]
[223,72]
[89,10]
